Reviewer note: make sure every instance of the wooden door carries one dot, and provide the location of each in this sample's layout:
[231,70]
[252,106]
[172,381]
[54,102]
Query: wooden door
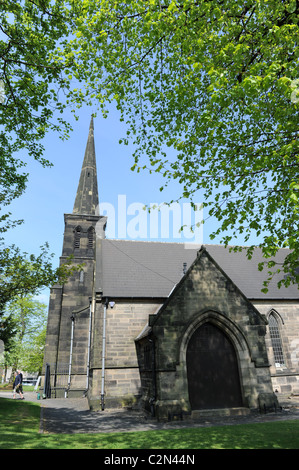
[212,369]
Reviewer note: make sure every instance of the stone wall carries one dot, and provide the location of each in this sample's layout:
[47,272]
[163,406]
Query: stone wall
[285,377]
[124,322]
[70,305]
[207,295]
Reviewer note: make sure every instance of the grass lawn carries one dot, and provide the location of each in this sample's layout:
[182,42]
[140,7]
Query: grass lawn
[19,429]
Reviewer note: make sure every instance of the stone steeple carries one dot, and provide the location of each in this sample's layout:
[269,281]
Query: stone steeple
[87,198]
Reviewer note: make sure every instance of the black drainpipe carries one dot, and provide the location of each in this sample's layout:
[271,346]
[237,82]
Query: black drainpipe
[104,356]
[152,400]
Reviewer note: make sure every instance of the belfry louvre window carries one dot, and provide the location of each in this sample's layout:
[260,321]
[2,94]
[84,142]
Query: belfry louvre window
[77,237]
[276,340]
[90,238]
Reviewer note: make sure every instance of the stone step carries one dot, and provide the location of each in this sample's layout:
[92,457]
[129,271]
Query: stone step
[220,412]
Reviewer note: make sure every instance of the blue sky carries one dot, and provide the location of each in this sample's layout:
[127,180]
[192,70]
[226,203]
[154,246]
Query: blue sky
[51,191]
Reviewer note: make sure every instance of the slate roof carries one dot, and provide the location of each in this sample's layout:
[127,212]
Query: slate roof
[137,269]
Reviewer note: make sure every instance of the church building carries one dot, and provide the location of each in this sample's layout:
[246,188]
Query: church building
[177,331]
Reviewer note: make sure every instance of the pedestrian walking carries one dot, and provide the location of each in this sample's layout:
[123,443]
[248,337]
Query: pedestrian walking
[17,385]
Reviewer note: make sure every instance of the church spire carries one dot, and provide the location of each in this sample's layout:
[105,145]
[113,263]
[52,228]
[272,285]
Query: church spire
[87,199]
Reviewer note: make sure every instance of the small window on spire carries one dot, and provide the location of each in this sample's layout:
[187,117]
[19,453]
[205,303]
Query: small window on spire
[77,237]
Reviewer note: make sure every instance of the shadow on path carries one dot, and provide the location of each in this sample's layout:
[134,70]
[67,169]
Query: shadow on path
[68,416]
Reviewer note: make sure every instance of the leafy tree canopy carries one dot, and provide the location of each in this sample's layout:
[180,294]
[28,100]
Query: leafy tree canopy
[217,81]
[22,274]
[23,331]
[32,86]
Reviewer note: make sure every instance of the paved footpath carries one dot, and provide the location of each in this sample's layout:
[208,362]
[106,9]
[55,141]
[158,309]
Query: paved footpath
[72,415]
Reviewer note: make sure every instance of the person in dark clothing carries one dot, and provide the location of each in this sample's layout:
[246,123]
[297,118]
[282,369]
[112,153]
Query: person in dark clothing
[14,385]
[17,385]
[21,375]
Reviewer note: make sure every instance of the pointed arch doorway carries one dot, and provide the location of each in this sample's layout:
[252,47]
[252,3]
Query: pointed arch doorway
[212,370]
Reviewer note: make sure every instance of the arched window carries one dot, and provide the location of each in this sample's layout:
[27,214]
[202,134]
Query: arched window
[90,238]
[276,340]
[77,237]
